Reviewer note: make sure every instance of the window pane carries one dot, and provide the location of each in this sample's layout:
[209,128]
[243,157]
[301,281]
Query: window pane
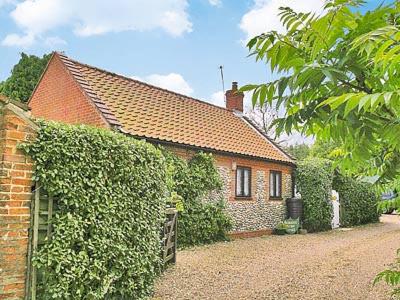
[271,184]
[239,173]
[277,184]
[246,179]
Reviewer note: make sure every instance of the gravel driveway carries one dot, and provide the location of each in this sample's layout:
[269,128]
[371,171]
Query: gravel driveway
[339,264]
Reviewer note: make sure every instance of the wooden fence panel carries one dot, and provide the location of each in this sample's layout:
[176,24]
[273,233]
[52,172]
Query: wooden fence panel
[44,206]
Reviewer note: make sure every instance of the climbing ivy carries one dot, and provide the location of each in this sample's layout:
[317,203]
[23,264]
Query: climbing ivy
[314,182]
[201,221]
[358,201]
[111,192]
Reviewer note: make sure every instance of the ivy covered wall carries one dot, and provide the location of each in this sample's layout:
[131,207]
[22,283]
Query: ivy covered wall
[358,201]
[200,222]
[112,191]
[314,182]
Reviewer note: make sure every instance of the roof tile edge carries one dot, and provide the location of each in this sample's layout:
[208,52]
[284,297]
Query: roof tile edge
[103,108]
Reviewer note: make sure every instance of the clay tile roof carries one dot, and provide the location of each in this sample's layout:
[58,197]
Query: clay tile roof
[143,110]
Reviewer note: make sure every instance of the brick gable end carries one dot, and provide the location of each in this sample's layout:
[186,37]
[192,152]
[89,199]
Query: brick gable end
[58,97]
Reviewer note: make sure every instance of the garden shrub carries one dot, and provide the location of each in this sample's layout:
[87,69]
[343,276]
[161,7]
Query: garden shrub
[200,222]
[358,201]
[111,193]
[314,182]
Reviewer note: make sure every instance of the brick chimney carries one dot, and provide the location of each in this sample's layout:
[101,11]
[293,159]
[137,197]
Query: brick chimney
[234,99]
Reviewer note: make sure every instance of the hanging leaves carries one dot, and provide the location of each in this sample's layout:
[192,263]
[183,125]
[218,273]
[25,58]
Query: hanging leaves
[339,79]
[338,76]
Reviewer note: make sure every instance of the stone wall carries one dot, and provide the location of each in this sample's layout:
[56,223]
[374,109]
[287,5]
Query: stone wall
[258,214]
[287,186]
[15,200]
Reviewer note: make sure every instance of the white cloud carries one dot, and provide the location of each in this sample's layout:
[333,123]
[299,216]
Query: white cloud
[172,81]
[217,98]
[175,22]
[296,138]
[22,41]
[93,17]
[263,17]
[215,2]
[53,41]
[247,99]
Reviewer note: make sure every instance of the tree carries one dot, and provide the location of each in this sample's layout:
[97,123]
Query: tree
[325,149]
[24,77]
[264,117]
[299,151]
[341,83]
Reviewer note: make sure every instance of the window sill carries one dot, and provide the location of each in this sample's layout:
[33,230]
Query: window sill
[237,198]
[275,199]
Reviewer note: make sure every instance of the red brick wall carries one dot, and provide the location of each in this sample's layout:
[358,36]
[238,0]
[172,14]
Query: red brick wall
[15,199]
[58,97]
[234,99]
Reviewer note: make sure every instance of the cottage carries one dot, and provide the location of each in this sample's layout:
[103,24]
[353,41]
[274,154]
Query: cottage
[257,173]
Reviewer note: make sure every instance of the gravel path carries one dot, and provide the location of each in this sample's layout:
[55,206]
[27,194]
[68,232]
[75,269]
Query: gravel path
[339,264]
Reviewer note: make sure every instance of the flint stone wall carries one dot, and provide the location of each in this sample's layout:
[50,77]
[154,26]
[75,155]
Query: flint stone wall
[260,213]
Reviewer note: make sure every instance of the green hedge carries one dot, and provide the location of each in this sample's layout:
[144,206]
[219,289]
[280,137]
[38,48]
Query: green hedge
[358,201]
[200,222]
[314,182]
[111,189]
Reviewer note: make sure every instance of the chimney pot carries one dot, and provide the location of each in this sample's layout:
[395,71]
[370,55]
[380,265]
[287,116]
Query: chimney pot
[234,98]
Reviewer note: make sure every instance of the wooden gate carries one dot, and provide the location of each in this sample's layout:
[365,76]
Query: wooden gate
[43,208]
[170,236]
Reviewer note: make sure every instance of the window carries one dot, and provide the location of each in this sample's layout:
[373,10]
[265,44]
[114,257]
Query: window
[275,184]
[243,182]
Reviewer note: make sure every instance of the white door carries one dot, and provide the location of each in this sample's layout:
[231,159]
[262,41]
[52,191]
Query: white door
[336,209]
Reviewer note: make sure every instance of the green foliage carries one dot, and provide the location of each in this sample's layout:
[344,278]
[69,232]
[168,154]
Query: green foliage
[325,149]
[389,205]
[298,151]
[200,222]
[391,277]
[393,204]
[341,82]
[24,77]
[314,182]
[358,201]
[111,193]
[321,148]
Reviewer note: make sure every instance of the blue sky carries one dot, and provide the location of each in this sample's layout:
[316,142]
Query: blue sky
[177,44]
